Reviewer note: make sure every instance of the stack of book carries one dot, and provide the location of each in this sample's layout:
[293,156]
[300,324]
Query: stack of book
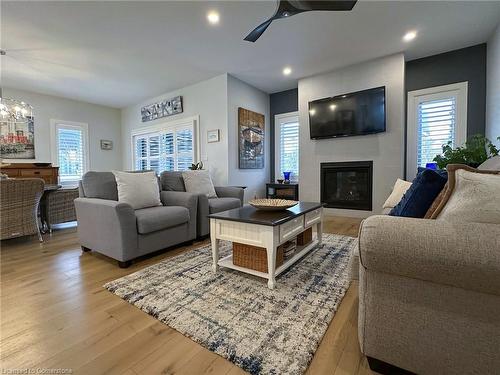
[289,249]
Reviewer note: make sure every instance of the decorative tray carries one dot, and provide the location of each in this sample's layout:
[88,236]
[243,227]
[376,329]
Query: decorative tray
[272,204]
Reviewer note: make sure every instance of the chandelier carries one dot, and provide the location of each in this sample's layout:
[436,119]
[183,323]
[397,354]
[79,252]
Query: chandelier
[12,110]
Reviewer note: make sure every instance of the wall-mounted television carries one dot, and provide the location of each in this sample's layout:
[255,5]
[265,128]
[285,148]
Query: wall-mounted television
[356,113]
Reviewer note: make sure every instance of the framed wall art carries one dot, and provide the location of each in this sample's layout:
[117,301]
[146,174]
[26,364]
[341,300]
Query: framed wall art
[213,136]
[250,139]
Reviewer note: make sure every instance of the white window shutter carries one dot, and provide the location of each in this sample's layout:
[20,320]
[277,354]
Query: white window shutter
[436,121]
[289,148]
[71,157]
[170,149]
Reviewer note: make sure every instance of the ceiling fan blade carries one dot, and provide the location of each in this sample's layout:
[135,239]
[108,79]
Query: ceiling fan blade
[288,8]
[328,5]
[258,31]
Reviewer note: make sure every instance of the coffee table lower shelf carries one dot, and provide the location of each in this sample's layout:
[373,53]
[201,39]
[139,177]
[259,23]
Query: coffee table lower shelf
[299,253]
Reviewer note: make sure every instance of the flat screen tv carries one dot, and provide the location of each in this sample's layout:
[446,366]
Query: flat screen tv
[357,113]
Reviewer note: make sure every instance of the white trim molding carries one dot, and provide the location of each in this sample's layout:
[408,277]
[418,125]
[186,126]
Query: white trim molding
[455,90]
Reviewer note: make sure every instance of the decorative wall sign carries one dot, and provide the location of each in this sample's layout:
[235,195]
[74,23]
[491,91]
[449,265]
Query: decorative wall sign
[106,145]
[164,108]
[213,136]
[250,139]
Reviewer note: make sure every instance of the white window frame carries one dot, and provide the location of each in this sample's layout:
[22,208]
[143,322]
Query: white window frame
[459,91]
[278,120]
[56,124]
[188,122]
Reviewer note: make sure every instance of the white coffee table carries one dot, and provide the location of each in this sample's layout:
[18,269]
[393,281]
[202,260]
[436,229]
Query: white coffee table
[266,229]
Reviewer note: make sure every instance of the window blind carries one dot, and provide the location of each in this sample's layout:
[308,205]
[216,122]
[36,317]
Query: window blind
[71,155]
[436,121]
[289,148]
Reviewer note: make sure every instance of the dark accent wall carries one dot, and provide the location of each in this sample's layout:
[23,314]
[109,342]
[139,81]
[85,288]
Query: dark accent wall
[281,102]
[466,64]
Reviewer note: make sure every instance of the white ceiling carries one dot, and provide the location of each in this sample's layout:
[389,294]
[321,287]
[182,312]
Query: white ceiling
[119,53]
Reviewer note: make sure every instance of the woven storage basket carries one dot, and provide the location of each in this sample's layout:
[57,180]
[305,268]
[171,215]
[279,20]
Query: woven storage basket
[254,257]
[305,237]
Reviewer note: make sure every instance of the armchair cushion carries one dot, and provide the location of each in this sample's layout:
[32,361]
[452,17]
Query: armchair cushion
[172,181]
[140,190]
[222,204]
[199,182]
[152,219]
[100,185]
[230,192]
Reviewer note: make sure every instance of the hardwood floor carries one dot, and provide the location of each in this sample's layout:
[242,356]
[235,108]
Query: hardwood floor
[55,314]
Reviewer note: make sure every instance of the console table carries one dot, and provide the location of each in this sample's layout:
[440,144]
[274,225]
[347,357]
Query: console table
[283,191]
[28,170]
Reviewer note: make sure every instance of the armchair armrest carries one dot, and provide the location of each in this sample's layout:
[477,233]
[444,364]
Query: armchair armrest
[184,199]
[230,192]
[465,255]
[107,226]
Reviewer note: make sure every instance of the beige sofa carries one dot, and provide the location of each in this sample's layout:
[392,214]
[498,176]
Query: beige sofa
[429,295]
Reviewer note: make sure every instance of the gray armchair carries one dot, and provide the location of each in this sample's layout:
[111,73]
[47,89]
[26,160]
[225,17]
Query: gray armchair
[228,197]
[117,230]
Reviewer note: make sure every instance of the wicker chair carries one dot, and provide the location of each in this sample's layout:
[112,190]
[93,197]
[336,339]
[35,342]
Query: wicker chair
[19,201]
[59,207]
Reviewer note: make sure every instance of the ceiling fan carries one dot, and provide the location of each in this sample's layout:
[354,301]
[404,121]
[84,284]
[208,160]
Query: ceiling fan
[288,8]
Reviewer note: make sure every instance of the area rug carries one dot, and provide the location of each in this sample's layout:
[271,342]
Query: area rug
[235,315]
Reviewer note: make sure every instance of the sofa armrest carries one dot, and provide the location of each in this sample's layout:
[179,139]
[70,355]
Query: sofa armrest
[465,255]
[188,200]
[230,192]
[107,226]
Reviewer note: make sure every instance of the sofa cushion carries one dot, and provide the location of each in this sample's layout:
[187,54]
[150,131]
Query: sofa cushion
[419,197]
[222,204]
[100,185]
[172,181]
[152,219]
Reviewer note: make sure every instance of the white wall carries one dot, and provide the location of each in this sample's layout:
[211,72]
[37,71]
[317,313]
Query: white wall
[241,94]
[385,149]
[493,87]
[206,99]
[104,123]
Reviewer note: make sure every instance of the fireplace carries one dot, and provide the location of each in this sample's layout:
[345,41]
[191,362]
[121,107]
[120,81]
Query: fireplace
[347,185]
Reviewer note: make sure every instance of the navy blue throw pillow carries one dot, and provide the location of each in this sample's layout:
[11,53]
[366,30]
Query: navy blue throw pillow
[419,197]
[441,172]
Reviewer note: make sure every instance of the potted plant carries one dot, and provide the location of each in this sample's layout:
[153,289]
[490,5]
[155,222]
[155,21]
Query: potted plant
[196,167]
[475,151]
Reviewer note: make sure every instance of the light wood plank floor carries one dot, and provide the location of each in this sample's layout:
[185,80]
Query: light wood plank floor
[55,314]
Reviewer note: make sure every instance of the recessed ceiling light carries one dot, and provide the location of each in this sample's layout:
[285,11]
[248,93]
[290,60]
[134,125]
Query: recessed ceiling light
[312,112]
[213,17]
[409,36]
[332,107]
[287,71]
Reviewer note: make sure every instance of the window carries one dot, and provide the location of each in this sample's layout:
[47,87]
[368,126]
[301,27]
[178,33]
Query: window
[287,145]
[436,116]
[164,148]
[70,151]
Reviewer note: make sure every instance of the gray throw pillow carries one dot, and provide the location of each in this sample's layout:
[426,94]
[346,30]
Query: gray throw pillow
[199,182]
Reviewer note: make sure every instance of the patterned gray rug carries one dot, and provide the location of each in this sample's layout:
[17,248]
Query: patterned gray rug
[235,315]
